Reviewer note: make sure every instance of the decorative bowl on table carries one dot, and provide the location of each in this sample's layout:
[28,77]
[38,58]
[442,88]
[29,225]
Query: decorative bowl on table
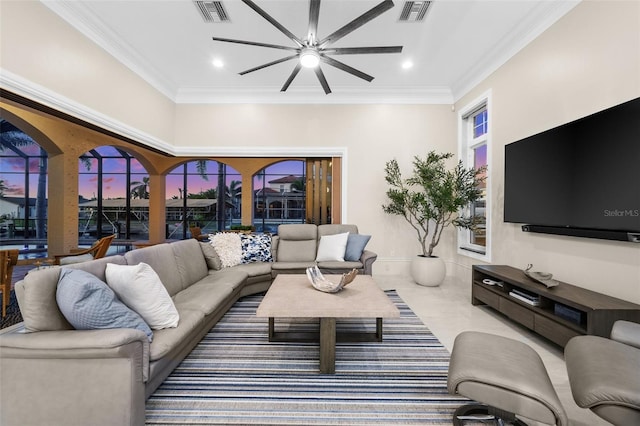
[319,282]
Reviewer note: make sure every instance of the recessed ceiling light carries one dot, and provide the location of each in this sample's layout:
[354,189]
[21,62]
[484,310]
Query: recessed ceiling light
[406,65]
[217,63]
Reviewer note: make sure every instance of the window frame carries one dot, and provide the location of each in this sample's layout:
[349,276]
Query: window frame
[467,144]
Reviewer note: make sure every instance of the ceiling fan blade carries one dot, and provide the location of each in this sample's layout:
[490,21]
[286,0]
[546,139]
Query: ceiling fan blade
[344,67]
[323,80]
[357,23]
[293,75]
[277,61]
[255,43]
[273,22]
[359,50]
[314,14]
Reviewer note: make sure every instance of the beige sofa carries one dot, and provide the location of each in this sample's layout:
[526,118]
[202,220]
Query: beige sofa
[296,247]
[53,374]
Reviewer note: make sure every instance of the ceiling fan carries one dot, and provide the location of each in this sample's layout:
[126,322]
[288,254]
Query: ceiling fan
[312,50]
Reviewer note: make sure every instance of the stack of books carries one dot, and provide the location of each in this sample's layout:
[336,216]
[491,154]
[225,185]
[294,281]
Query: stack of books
[523,296]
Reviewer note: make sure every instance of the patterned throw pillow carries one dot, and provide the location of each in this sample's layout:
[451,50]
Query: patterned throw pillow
[228,247]
[256,248]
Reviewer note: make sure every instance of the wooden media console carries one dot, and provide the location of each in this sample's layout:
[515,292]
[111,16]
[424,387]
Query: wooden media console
[559,313]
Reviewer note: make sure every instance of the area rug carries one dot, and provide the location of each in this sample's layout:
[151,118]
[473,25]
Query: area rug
[13,315]
[236,376]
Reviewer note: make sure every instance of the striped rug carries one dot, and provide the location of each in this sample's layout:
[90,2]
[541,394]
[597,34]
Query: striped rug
[235,376]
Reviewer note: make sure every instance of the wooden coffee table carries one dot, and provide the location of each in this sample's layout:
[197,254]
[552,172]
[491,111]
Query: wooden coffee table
[293,296]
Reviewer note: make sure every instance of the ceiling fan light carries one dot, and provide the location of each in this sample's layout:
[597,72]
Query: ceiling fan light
[309,58]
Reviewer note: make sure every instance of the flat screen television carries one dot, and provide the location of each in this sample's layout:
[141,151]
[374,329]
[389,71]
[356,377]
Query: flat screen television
[581,178]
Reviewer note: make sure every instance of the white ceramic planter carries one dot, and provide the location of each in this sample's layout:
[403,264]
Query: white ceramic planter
[428,271]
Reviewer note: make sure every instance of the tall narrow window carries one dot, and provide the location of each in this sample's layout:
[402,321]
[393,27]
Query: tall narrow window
[23,188]
[114,195]
[475,147]
[279,195]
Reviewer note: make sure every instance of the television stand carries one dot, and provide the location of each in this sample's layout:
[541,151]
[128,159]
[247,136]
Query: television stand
[557,313]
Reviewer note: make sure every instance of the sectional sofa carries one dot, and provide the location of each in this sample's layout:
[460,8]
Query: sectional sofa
[56,375]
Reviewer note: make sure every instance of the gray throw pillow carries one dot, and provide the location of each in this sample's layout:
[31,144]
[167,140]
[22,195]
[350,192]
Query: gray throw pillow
[88,303]
[355,246]
[211,256]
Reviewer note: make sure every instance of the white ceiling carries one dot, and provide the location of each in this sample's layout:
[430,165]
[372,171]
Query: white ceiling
[168,44]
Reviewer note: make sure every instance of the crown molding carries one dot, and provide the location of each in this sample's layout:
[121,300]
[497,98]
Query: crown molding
[545,14]
[260,151]
[314,95]
[30,90]
[82,19]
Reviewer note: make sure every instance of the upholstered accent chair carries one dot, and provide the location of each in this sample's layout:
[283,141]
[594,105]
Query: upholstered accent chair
[605,373]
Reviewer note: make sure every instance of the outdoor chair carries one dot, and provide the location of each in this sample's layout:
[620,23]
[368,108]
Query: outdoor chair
[8,258]
[96,251]
[196,233]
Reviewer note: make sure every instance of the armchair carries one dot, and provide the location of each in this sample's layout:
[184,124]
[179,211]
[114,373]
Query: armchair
[196,233]
[96,251]
[603,373]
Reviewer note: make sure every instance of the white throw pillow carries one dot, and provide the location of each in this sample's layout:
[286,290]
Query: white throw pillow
[140,288]
[332,247]
[229,248]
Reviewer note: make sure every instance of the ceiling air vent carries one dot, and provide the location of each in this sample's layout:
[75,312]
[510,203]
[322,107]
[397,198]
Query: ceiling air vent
[212,11]
[414,11]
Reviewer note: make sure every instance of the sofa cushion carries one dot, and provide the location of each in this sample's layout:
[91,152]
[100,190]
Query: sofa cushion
[161,258]
[255,269]
[296,267]
[355,246]
[256,248]
[140,288]
[36,294]
[168,339]
[70,260]
[332,247]
[335,267]
[229,248]
[336,228]
[211,256]
[297,242]
[88,303]
[236,277]
[204,297]
[191,263]
[97,267]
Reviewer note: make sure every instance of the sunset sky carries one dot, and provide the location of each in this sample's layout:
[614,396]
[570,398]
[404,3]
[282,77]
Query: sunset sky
[114,178]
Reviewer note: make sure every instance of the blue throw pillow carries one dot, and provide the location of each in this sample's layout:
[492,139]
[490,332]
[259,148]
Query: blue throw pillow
[355,246]
[88,303]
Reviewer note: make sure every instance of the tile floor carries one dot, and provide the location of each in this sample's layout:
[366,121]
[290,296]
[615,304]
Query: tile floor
[447,311]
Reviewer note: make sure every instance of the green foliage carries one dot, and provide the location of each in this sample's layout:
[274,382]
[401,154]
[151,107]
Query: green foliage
[432,196]
[241,228]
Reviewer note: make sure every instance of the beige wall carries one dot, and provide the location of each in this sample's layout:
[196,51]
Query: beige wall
[39,46]
[586,62]
[371,135]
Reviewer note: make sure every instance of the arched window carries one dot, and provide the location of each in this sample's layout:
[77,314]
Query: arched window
[23,188]
[114,195]
[279,195]
[202,193]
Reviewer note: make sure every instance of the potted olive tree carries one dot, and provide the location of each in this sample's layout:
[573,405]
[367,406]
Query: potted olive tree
[430,200]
